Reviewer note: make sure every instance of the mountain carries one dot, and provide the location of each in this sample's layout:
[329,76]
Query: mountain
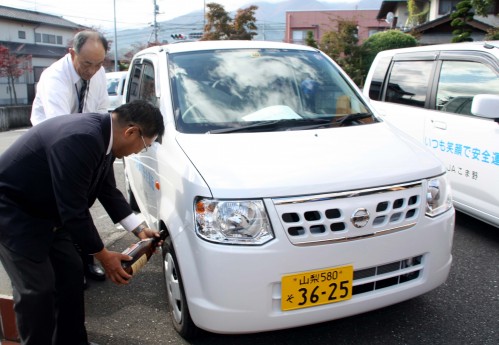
[271,21]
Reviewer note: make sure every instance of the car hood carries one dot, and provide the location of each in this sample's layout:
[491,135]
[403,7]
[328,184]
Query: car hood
[288,163]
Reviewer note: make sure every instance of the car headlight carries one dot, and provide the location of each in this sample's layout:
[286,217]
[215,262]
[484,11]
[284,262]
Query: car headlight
[233,221]
[438,196]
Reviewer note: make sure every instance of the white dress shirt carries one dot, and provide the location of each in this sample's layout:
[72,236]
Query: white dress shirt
[130,222]
[58,88]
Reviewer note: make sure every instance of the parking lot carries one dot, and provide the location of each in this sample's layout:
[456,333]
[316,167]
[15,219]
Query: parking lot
[465,310]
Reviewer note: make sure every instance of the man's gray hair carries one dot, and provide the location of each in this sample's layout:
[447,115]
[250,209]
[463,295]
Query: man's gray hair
[82,37]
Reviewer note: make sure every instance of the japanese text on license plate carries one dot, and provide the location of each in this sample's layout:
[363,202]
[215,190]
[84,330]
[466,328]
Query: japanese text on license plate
[308,289]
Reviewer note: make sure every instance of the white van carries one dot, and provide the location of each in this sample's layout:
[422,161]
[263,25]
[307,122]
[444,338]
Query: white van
[447,97]
[287,201]
[115,88]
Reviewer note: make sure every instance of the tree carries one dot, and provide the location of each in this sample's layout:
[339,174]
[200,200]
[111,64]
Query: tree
[342,46]
[481,6]
[220,26]
[465,10]
[390,39]
[418,12]
[310,40]
[243,23]
[492,34]
[460,18]
[12,66]
[136,47]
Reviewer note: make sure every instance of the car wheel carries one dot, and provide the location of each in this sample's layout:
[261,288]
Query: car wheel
[177,301]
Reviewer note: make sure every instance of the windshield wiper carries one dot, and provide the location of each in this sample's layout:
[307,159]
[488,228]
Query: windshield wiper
[351,118]
[268,125]
[312,124]
[283,124]
[292,124]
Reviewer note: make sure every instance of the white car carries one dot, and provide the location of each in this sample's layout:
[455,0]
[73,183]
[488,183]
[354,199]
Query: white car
[115,88]
[447,97]
[287,201]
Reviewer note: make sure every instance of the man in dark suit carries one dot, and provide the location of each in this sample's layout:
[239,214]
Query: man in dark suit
[49,178]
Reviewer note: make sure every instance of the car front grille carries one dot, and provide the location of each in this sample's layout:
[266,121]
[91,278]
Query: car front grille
[380,277]
[351,215]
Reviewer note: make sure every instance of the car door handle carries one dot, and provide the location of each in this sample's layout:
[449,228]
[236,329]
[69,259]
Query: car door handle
[439,124]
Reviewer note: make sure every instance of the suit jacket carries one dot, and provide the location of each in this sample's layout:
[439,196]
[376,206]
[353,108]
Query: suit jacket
[50,177]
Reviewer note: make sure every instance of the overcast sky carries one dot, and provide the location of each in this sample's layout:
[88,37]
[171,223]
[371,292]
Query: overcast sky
[129,13]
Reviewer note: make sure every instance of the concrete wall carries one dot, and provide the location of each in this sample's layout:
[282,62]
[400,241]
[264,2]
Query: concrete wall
[15,117]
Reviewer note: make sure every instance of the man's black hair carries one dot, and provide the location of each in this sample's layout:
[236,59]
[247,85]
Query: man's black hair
[142,113]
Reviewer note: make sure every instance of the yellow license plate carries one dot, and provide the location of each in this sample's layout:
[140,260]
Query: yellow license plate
[308,289]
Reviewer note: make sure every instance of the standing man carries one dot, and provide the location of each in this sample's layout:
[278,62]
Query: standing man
[49,179]
[75,84]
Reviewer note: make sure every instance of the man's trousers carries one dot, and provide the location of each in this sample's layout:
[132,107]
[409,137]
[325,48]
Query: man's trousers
[48,295]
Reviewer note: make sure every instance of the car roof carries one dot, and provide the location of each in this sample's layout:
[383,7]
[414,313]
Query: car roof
[488,46]
[224,44]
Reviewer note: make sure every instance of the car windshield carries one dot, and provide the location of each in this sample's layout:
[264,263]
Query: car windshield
[227,91]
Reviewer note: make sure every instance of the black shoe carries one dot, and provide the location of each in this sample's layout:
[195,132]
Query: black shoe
[90,343]
[94,272]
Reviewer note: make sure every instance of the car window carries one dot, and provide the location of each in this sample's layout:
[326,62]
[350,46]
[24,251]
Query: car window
[461,80]
[234,88]
[148,88]
[112,86]
[133,88]
[378,78]
[408,83]
[142,85]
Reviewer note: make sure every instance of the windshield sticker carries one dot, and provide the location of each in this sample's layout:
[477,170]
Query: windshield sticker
[473,153]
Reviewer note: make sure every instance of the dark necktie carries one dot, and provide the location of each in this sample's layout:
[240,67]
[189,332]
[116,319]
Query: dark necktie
[81,95]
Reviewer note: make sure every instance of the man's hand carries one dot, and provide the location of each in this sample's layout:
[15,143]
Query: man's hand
[111,262]
[149,233]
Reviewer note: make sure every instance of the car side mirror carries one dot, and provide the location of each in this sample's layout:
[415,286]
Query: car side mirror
[486,106]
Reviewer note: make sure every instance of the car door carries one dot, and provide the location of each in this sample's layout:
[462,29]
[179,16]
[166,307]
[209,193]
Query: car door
[142,85]
[406,92]
[467,144]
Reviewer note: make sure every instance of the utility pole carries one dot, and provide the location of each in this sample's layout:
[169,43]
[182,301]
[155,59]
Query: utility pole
[156,12]
[115,40]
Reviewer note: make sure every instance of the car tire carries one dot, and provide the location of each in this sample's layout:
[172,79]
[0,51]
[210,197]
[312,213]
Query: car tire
[177,301]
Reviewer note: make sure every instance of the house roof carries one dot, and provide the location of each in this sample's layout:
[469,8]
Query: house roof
[445,20]
[36,17]
[387,6]
[37,50]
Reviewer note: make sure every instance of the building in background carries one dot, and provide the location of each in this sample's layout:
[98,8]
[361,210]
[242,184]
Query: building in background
[43,36]
[298,23]
[436,27]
